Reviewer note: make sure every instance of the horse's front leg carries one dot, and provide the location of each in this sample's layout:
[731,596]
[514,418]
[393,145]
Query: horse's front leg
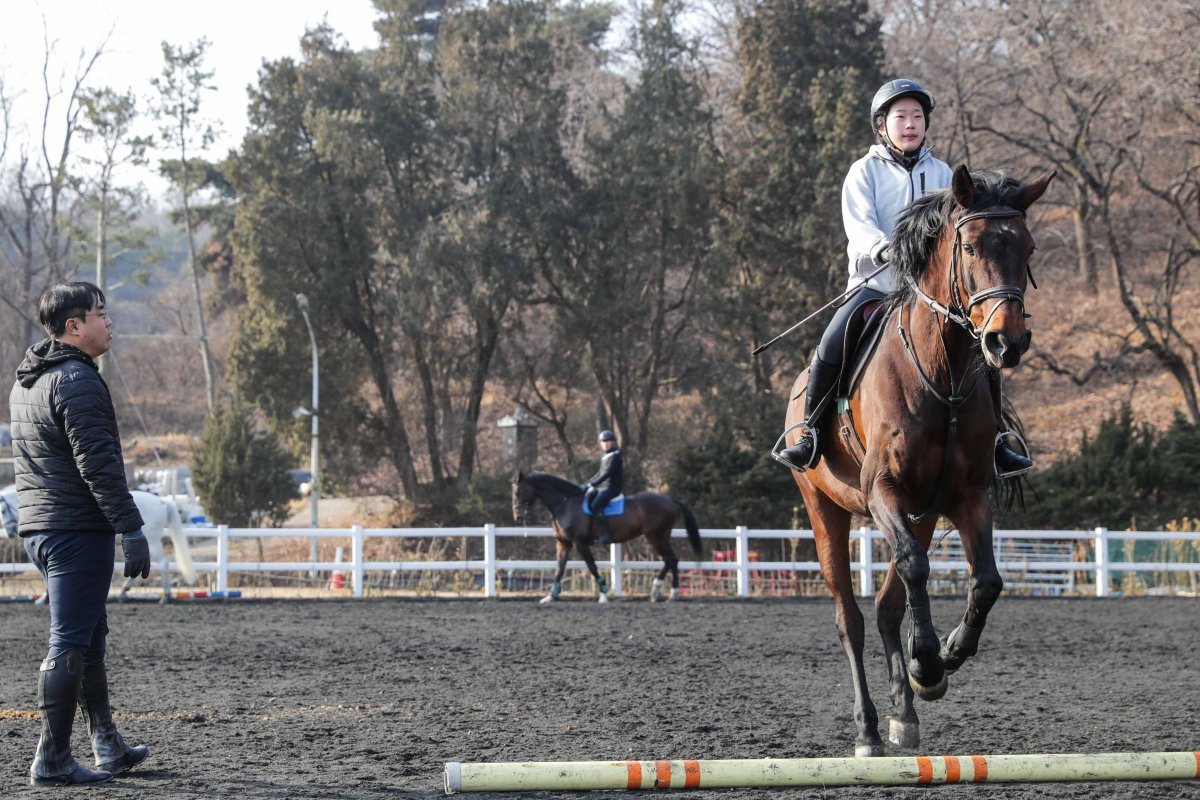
[926,673]
[975,530]
[564,551]
[601,584]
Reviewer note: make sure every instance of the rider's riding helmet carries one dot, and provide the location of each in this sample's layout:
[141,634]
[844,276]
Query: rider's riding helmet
[607,436]
[892,91]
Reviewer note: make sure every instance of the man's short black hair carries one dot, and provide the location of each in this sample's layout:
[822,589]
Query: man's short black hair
[63,301]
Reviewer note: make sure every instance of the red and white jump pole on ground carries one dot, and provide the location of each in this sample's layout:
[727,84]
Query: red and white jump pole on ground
[770,772]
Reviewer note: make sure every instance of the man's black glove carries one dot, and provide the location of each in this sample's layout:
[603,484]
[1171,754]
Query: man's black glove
[137,554]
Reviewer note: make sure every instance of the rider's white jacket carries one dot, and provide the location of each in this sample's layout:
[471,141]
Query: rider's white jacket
[876,189]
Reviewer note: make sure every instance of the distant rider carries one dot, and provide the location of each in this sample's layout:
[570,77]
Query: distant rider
[606,484]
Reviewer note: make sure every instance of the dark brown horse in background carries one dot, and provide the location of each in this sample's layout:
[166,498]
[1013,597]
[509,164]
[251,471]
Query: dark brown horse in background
[923,413]
[646,514]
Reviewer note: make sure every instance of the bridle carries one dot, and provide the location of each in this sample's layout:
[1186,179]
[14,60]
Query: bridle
[958,313]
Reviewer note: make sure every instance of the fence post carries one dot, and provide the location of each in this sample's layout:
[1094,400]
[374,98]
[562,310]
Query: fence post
[743,562]
[866,559]
[356,555]
[489,560]
[616,587]
[222,558]
[1102,576]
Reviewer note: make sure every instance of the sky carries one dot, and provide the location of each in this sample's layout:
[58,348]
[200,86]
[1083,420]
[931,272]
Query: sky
[241,34]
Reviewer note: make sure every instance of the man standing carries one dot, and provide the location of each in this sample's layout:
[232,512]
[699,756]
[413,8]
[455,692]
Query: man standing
[606,484]
[72,499]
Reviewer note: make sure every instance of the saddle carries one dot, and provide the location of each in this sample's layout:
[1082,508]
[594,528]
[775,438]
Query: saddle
[615,507]
[862,338]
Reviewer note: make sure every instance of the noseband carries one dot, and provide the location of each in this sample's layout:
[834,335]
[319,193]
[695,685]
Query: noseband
[955,311]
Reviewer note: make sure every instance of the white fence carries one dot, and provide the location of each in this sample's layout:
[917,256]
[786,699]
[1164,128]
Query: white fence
[1020,554]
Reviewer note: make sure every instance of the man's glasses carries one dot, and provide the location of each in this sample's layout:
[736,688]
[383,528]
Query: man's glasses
[103,314]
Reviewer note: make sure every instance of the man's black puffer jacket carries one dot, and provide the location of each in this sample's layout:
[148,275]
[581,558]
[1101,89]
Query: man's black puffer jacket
[70,472]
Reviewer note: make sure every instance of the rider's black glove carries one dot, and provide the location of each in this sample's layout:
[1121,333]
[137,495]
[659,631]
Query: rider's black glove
[137,554]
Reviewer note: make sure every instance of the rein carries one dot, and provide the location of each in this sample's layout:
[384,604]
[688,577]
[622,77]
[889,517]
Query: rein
[955,312]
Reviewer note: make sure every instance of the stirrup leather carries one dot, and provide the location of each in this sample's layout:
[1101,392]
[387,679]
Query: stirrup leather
[1002,438]
[781,445]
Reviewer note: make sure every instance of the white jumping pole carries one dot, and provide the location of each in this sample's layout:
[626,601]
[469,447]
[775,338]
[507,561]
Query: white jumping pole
[770,772]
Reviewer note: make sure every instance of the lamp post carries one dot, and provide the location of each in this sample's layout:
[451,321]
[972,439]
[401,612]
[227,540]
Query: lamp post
[314,483]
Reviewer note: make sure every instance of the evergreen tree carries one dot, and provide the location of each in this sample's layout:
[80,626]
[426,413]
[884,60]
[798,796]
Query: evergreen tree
[239,471]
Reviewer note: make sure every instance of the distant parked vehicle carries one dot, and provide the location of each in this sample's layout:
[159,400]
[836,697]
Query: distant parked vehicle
[303,480]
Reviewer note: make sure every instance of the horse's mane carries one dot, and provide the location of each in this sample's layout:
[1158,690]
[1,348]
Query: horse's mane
[915,238]
[562,484]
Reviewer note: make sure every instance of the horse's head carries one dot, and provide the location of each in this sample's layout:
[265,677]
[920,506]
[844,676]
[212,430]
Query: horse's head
[523,495]
[989,260]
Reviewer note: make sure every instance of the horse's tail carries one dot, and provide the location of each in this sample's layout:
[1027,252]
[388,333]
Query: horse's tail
[183,551]
[693,530]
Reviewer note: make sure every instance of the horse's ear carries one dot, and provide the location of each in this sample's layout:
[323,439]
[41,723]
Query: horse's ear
[1033,190]
[520,474]
[963,186]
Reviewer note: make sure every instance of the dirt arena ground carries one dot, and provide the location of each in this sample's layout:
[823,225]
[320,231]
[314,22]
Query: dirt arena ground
[366,700]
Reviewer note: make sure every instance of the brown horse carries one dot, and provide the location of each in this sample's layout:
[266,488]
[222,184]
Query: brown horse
[646,514]
[923,413]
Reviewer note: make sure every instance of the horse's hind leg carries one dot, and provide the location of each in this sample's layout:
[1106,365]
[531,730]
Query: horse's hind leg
[903,728]
[670,564]
[831,528]
[985,585]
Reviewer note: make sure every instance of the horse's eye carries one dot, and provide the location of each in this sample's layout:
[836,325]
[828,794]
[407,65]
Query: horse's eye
[970,249]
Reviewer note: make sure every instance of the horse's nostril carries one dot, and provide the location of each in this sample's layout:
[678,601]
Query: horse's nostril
[1026,340]
[996,343]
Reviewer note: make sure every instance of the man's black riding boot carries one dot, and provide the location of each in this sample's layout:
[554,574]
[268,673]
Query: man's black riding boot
[804,453]
[58,692]
[113,754]
[605,536]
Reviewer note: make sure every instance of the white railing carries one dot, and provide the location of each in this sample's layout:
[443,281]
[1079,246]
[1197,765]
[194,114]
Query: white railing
[864,561]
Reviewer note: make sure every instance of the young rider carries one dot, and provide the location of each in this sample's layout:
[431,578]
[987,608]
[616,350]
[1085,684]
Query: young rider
[605,484]
[897,169]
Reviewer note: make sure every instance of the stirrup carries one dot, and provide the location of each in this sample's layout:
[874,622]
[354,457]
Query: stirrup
[1001,439]
[781,445]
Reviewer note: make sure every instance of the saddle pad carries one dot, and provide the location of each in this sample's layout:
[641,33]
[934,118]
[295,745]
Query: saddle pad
[615,507]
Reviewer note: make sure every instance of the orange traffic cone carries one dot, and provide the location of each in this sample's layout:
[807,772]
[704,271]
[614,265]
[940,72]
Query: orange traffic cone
[337,580]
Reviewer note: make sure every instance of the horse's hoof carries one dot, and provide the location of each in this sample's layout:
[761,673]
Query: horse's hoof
[904,734]
[603,598]
[868,750]
[674,594]
[654,598]
[546,600]
[930,693]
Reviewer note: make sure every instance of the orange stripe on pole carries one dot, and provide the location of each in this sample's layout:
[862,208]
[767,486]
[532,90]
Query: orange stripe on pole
[662,775]
[980,763]
[953,771]
[1197,755]
[691,771]
[924,770]
[633,770]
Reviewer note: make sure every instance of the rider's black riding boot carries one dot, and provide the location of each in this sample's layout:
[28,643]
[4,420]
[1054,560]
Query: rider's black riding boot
[1009,462]
[58,692]
[605,536]
[821,378]
[113,753]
